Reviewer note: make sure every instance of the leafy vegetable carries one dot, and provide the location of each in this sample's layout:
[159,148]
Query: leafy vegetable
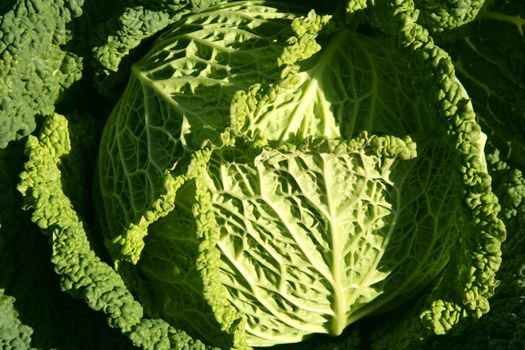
[35,62]
[34,313]
[83,274]
[326,90]
[290,175]
[117,36]
[440,16]
[503,327]
[490,61]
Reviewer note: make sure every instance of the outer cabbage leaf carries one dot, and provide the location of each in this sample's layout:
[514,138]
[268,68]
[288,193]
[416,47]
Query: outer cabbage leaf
[490,61]
[36,62]
[114,38]
[34,313]
[504,326]
[13,333]
[470,278]
[82,272]
[444,16]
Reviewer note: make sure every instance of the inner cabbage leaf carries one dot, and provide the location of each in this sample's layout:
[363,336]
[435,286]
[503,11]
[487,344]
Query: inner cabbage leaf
[312,237]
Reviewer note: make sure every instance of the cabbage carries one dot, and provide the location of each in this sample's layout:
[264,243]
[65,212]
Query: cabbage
[270,174]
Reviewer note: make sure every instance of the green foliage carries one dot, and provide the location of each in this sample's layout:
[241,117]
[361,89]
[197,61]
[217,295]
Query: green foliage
[178,120]
[34,312]
[115,37]
[45,48]
[35,62]
[245,76]
[336,175]
[503,327]
[13,333]
[82,273]
[490,61]
[442,16]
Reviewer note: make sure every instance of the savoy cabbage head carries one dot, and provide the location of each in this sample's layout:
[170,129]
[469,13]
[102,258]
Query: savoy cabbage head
[272,174]
[275,174]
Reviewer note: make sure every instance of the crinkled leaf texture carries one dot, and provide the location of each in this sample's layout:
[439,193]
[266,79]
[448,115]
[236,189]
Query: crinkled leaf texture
[309,235]
[443,16]
[490,61]
[13,333]
[36,62]
[179,96]
[34,312]
[504,326]
[207,207]
[115,36]
[83,274]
